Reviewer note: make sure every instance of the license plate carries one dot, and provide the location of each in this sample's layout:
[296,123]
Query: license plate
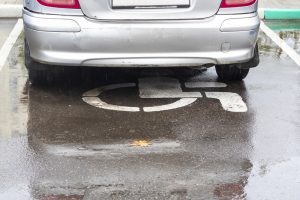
[149,3]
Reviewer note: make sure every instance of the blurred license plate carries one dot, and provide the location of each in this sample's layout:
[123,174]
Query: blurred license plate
[150,3]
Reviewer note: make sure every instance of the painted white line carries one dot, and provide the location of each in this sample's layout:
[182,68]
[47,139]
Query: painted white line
[11,10]
[163,87]
[97,102]
[205,85]
[261,13]
[92,98]
[10,41]
[282,44]
[178,104]
[97,91]
[230,101]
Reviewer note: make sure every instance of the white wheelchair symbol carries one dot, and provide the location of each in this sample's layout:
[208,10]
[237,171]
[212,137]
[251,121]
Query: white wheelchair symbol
[166,88]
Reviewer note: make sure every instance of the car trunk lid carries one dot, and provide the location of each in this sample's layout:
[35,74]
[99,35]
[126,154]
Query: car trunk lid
[149,9]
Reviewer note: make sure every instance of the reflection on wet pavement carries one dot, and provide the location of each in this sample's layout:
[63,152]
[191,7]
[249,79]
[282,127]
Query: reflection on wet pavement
[289,31]
[14,97]
[268,48]
[292,38]
[54,146]
[283,25]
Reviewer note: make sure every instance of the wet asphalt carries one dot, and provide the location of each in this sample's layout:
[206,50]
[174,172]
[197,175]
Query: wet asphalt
[54,146]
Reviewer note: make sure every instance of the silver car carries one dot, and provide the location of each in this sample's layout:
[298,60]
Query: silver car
[141,33]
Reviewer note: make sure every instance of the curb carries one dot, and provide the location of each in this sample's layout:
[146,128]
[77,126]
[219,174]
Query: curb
[11,10]
[270,13]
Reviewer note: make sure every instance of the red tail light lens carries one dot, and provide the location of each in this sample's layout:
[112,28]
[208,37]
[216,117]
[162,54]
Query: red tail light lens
[60,3]
[236,3]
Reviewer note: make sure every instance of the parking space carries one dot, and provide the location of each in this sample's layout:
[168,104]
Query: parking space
[152,133]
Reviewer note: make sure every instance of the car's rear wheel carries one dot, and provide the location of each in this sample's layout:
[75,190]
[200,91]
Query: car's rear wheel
[38,73]
[231,72]
[237,72]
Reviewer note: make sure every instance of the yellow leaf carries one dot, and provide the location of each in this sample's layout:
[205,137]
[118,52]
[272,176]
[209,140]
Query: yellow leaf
[141,143]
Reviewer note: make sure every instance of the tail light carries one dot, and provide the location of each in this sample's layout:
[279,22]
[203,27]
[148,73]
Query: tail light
[236,3]
[74,4]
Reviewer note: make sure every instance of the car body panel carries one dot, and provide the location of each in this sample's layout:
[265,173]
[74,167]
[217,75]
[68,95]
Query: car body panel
[35,7]
[99,35]
[108,13]
[89,42]
[198,9]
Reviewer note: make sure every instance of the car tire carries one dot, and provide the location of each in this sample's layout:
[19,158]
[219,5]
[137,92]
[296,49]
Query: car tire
[38,73]
[231,72]
[237,72]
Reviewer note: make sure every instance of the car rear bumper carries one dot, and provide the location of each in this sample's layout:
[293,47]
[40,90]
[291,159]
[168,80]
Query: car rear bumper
[79,41]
